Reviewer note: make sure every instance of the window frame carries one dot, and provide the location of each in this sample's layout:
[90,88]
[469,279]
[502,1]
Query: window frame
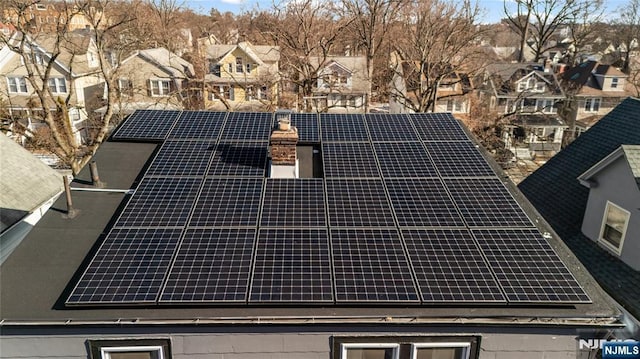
[18,81]
[449,345]
[393,346]
[592,104]
[614,82]
[239,65]
[406,344]
[606,242]
[102,348]
[161,92]
[57,85]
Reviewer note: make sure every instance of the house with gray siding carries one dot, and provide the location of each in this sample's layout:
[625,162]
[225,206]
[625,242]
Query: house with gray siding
[588,193]
[136,272]
[611,216]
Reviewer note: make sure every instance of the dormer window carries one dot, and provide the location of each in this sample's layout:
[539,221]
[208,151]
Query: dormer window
[614,82]
[531,84]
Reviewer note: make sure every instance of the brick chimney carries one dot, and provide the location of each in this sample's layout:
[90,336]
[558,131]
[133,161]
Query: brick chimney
[283,142]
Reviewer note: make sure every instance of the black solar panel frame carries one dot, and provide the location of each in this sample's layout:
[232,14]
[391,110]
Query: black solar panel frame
[458,159]
[146,126]
[124,265]
[247,127]
[404,159]
[292,266]
[239,159]
[349,160]
[343,128]
[450,268]
[228,202]
[359,202]
[438,127]
[527,267]
[198,125]
[212,265]
[181,158]
[362,274]
[393,128]
[294,203]
[308,127]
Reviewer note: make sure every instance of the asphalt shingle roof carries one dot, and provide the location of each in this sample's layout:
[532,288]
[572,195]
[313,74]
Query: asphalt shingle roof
[559,197]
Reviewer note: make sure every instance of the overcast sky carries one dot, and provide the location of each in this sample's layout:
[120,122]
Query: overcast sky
[493,8]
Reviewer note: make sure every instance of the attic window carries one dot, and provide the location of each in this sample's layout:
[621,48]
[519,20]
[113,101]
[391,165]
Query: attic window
[614,82]
[130,349]
[614,227]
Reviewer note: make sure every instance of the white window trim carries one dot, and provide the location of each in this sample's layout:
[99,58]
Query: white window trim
[105,352]
[161,92]
[453,345]
[57,81]
[591,108]
[601,239]
[17,80]
[346,346]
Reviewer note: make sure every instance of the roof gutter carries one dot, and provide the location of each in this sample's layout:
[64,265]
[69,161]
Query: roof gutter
[603,322]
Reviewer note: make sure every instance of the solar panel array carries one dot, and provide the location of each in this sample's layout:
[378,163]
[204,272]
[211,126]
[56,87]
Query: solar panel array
[408,212]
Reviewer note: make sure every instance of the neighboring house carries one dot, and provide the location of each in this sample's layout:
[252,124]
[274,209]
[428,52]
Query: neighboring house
[343,84]
[452,95]
[28,188]
[527,94]
[48,16]
[592,90]
[386,247]
[611,217]
[241,76]
[408,84]
[75,73]
[601,158]
[152,79]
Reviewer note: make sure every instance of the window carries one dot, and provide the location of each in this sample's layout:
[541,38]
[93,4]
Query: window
[370,351]
[130,349]
[454,106]
[17,84]
[441,350]
[546,106]
[160,87]
[248,68]
[41,7]
[239,66]
[411,347]
[229,67]
[222,92]
[263,93]
[614,82]
[125,87]
[214,69]
[592,105]
[614,227]
[58,85]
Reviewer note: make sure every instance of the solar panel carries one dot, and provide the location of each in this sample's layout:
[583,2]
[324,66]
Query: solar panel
[292,265]
[485,202]
[212,265]
[129,267]
[358,202]
[458,159]
[198,125]
[438,127]
[342,127]
[160,202]
[247,126]
[147,125]
[246,159]
[422,202]
[370,266]
[527,267]
[349,160]
[228,202]
[390,128]
[293,203]
[408,159]
[307,125]
[449,267]
[182,158]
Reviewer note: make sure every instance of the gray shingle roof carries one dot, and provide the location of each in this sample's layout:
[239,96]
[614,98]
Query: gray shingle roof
[26,183]
[632,154]
[557,194]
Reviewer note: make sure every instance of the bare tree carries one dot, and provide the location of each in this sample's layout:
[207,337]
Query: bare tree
[437,46]
[305,30]
[38,63]
[372,21]
[628,31]
[539,20]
